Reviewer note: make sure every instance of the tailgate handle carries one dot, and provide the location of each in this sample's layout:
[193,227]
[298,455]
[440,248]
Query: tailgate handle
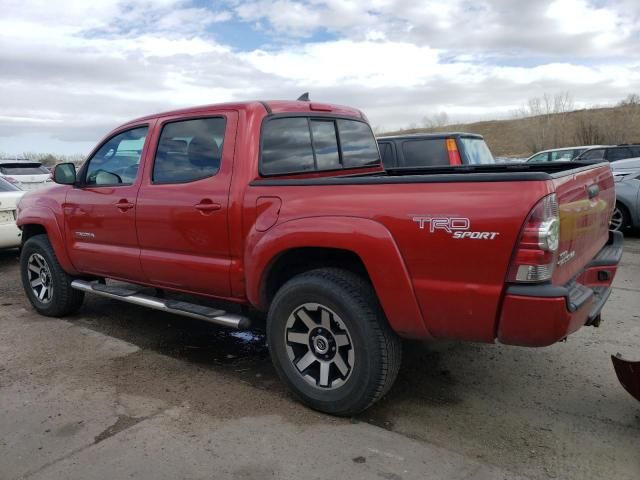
[593,190]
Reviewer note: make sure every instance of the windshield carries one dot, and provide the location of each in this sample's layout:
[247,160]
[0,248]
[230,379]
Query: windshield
[476,151]
[7,187]
[29,169]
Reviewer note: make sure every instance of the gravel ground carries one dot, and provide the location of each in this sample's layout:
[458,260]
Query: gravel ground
[118,391]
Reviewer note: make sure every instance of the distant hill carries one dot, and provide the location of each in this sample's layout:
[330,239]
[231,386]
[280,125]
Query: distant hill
[523,136]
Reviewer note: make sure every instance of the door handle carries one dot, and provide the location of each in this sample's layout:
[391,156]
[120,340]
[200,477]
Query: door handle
[207,206]
[124,205]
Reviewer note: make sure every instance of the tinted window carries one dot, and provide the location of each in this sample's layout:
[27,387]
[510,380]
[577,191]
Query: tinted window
[325,144]
[7,187]
[425,153]
[117,161]
[618,154]
[593,154]
[386,152]
[635,152]
[286,146]
[359,147]
[189,150]
[476,151]
[24,170]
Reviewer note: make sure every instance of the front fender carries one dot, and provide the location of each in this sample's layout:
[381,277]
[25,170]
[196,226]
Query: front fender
[41,215]
[368,239]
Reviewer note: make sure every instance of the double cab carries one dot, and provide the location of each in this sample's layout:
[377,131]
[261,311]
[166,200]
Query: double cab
[283,209]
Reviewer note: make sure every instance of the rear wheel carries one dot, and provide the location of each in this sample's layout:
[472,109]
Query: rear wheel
[330,342]
[46,284]
[620,220]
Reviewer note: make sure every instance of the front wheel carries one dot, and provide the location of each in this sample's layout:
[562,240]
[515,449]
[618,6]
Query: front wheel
[46,284]
[330,342]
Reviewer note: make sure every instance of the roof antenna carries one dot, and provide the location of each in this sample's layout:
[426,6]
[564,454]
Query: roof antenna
[304,97]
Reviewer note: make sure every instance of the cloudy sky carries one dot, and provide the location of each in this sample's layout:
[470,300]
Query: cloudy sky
[70,71]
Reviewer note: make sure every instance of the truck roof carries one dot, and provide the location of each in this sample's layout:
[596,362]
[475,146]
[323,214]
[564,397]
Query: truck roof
[271,106]
[430,136]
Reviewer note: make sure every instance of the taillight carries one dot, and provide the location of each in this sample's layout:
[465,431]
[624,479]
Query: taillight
[537,250]
[452,150]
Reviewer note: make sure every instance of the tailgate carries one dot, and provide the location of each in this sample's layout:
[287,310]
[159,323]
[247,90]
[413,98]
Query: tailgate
[586,199]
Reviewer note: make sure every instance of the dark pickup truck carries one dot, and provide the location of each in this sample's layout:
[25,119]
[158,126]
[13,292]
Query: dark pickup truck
[434,150]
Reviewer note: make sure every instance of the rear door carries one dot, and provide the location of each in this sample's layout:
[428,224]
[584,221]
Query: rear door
[183,204]
[100,213]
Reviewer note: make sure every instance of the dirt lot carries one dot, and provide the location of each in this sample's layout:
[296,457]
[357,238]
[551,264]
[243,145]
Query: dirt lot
[121,392]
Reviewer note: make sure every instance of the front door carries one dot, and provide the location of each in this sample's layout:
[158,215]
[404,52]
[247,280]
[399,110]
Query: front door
[100,212]
[183,202]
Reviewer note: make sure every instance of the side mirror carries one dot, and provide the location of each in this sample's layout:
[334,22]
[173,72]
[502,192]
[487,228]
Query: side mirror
[65,174]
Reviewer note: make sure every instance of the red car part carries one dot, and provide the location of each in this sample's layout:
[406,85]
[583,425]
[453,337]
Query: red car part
[629,374]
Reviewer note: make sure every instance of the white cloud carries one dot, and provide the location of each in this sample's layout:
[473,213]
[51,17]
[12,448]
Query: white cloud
[66,82]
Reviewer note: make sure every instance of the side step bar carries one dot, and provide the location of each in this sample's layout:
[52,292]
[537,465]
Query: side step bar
[192,310]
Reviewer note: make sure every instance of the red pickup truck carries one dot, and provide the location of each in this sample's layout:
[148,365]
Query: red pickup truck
[283,207]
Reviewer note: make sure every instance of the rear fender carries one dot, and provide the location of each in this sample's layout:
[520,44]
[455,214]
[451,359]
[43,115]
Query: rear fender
[44,216]
[370,240]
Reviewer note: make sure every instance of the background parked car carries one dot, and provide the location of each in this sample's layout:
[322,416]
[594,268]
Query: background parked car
[626,174]
[434,150]
[611,153]
[559,154]
[10,234]
[25,174]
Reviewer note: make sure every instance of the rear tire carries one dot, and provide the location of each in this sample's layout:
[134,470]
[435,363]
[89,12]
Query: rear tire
[330,341]
[45,283]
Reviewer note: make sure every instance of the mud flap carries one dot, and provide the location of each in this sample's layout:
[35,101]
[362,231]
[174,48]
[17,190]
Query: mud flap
[629,374]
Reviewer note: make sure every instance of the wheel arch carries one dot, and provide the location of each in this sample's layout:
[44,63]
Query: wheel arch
[362,246]
[36,221]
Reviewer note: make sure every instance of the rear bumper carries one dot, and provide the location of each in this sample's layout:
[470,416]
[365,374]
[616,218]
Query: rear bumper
[540,315]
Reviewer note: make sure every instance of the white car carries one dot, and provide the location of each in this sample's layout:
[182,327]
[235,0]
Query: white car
[25,174]
[559,154]
[10,234]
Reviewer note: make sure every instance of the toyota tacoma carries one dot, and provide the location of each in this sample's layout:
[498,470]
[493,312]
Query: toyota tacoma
[284,208]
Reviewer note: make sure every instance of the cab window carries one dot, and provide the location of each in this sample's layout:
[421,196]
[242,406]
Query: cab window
[117,160]
[597,154]
[189,150]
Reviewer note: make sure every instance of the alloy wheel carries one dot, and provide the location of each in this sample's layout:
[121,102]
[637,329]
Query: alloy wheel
[319,346]
[40,278]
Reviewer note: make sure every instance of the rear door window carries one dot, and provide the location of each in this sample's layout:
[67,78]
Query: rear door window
[618,154]
[561,155]
[189,150]
[424,153]
[597,154]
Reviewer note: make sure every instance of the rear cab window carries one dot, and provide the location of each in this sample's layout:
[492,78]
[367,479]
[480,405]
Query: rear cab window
[476,151]
[424,153]
[303,144]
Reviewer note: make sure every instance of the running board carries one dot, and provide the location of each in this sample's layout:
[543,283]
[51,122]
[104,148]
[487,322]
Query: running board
[192,310]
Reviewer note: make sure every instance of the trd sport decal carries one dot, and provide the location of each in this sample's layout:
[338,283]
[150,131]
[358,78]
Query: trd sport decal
[457,227]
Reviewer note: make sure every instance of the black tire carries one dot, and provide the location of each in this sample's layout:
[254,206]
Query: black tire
[621,219]
[63,299]
[377,350]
